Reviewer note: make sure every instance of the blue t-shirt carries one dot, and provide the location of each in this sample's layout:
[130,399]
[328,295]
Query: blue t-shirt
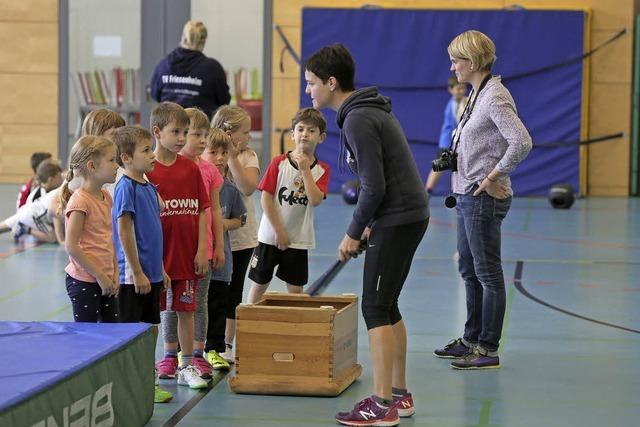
[141,201]
[449,124]
[232,207]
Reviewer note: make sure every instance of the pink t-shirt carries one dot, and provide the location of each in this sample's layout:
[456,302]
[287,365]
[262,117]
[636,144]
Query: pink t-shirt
[96,240]
[212,179]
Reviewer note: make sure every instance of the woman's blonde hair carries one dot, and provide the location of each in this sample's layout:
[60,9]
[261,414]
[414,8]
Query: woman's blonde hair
[87,148]
[97,122]
[229,118]
[194,36]
[476,47]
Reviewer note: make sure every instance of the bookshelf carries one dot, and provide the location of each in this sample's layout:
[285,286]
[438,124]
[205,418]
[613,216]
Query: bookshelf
[117,89]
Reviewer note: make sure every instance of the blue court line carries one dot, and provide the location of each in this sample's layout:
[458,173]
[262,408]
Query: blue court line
[523,291]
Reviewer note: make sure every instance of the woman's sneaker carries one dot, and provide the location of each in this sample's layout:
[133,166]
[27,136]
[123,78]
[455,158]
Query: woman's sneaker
[477,359]
[190,376]
[456,348]
[369,413]
[217,362]
[404,405]
[167,368]
[202,366]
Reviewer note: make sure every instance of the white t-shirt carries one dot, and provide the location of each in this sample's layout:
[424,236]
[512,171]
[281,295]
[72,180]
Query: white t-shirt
[246,237]
[284,181]
[35,214]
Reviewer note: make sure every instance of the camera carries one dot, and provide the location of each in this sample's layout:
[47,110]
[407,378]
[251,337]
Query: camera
[448,160]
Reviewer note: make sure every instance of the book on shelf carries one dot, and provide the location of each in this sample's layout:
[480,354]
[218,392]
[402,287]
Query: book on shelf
[115,88]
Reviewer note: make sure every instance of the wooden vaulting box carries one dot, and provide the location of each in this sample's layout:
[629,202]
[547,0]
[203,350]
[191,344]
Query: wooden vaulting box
[297,345]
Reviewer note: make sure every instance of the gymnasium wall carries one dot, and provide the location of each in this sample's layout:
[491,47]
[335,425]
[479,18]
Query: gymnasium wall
[28,84]
[604,166]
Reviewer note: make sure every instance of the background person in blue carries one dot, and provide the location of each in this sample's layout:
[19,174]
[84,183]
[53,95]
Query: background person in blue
[391,214]
[187,77]
[452,114]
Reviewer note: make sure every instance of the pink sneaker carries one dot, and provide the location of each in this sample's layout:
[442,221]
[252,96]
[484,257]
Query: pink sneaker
[404,405]
[203,366]
[167,368]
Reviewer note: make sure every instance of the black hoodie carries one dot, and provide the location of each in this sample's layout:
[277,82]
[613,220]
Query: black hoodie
[187,77]
[391,191]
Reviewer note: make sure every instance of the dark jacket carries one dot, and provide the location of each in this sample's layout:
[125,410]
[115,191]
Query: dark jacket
[377,150]
[189,78]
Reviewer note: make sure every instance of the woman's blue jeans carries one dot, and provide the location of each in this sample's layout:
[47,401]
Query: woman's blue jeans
[479,220]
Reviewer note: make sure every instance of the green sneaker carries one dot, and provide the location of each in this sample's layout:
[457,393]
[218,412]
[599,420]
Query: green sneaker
[216,361]
[161,396]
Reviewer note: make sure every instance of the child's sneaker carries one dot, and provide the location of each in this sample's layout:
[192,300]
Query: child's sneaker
[161,396]
[404,405]
[203,366]
[229,355]
[167,368]
[217,362]
[477,359]
[368,413]
[190,376]
[455,348]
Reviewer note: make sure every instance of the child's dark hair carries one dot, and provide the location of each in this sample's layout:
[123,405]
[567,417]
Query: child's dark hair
[167,112]
[47,170]
[98,121]
[37,158]
[86,148]
[333,61]
[310,116]
[452,81]
[126,138]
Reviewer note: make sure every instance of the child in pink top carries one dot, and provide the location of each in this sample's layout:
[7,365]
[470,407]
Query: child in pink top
[92,272]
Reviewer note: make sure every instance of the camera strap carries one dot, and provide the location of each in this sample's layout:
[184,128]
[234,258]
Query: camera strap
[466,113]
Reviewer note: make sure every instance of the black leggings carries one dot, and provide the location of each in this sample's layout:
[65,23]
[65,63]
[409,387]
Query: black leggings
[88,303]
[387,263]
[241,260]
[218,299]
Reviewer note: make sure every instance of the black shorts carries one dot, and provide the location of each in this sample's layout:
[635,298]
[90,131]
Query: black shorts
[293,265]
[136,308]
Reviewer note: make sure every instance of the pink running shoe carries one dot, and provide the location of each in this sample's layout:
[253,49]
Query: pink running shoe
[404,405]
[203,366]
[167,368]
[368,413]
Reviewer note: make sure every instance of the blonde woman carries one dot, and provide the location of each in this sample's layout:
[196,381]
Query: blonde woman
[490,142]
[189,78]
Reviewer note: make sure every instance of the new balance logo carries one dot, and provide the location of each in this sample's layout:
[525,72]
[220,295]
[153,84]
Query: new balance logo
[367,414]
[406,404]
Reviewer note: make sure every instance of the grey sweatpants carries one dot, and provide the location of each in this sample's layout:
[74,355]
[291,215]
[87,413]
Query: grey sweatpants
[201,316]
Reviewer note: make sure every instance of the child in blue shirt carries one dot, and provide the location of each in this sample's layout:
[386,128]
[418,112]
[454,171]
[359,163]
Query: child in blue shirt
[452,113]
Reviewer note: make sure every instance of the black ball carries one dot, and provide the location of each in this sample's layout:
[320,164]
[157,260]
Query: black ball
[350,191]
[561,196]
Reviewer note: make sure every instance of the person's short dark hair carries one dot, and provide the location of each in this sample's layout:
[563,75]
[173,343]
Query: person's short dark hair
[167,112]
[47,170]
[333,60]
[310,116]
[126,138]
[452,81]
[37,158]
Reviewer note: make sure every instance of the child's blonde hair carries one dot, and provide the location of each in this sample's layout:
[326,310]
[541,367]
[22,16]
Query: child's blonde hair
[86,148]
[194,35]
[97,122]
[229,118]
[167,112]
[197,119]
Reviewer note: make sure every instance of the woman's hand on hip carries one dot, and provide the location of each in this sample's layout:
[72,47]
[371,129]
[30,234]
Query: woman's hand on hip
[495,189]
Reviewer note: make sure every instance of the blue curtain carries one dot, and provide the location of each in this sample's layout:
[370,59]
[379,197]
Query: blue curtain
[404,53]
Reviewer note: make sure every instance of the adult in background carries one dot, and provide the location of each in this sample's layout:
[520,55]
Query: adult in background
[392,214]
[490,142]
[189,78]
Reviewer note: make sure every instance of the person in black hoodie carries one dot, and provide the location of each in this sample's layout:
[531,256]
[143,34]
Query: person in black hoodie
[187,77]
[392,214]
